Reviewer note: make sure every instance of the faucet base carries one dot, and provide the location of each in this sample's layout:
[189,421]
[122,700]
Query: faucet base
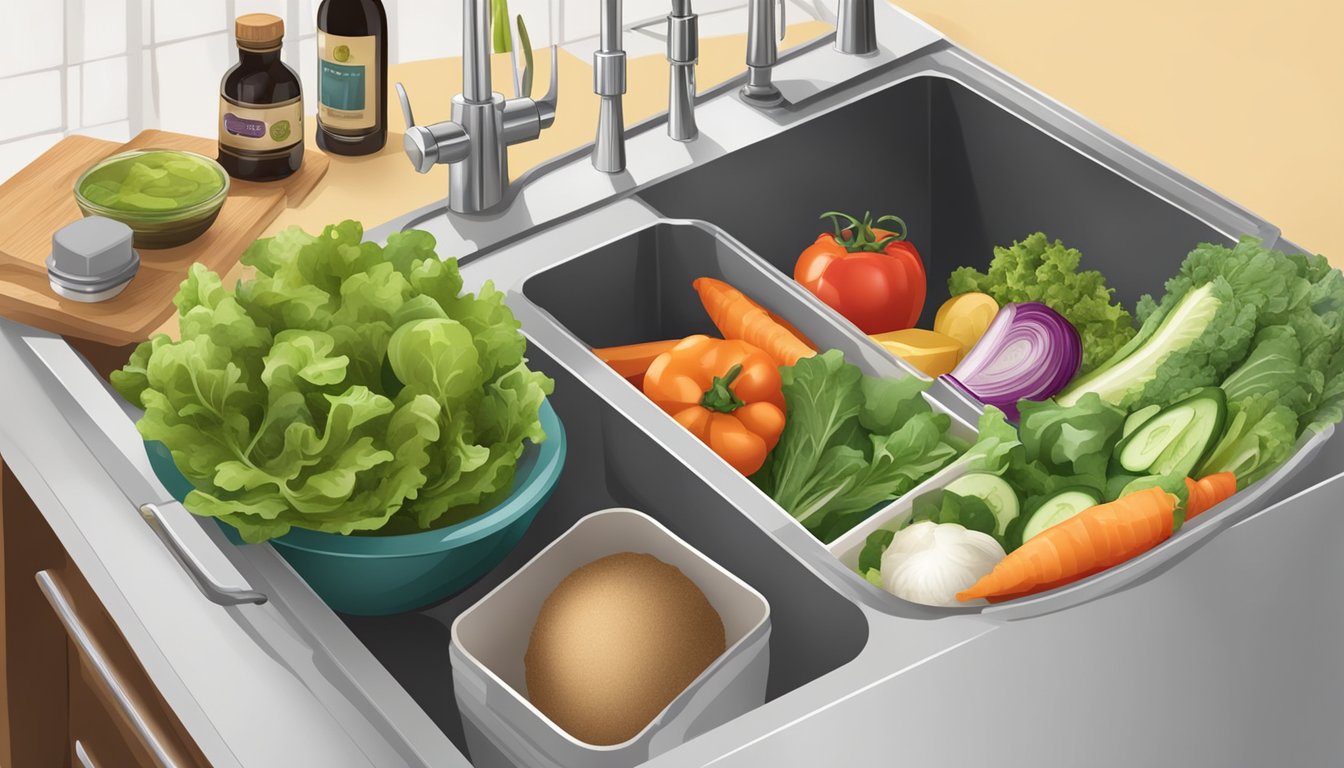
[476,182]
[761,95]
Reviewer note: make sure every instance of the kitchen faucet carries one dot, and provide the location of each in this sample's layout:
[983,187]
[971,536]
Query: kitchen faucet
[683,50]
[475,142]
[762,52]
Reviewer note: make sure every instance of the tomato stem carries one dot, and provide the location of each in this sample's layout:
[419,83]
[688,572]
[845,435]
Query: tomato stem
[859,235]
[719,397]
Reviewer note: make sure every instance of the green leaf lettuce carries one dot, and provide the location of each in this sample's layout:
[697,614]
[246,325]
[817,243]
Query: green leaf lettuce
[346,387]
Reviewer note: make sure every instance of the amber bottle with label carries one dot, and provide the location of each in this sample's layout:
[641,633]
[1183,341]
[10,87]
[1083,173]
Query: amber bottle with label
[351,76]
[260,105]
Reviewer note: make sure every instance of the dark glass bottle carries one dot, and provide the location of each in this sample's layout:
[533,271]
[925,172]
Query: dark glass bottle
[260,105]
[351,76]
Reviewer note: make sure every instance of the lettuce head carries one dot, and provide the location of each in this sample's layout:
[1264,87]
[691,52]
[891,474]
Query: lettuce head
[346,387]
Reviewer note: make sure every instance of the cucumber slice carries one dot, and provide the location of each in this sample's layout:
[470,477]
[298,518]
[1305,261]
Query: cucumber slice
[1141,449]
[997,494]
[1056,509]
[1176,438]
[1185,453]
[1137,419]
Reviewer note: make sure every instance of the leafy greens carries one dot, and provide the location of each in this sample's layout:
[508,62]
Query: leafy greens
[853,442]
[347,387]
[1279,314]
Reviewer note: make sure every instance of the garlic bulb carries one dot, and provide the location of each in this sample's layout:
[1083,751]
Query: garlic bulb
[929,563]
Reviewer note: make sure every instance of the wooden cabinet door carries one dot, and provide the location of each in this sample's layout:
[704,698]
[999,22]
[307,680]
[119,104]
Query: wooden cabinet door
[33,690]
[96,739]
[113,703]
[67,675]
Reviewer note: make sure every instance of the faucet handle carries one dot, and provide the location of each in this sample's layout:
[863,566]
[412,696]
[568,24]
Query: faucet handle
[548,103]
[783,25]
[522,81]
[405,107]
[426,146]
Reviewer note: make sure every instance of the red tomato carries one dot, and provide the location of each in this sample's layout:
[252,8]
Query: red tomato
[874,277]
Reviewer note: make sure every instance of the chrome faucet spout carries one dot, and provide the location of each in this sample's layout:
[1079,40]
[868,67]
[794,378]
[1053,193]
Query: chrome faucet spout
[476,86]
[474,143]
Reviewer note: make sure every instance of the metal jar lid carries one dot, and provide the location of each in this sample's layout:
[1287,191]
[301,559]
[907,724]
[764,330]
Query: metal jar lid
[92,259]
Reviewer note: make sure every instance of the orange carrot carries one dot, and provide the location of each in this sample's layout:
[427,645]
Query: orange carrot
[1089,542]
[632,360]
[790,328]
[1194,498]
[738,317]
[787,325]
[1208,492]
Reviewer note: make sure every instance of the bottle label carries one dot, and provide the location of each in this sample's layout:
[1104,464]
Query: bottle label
[260,127]
[347,82]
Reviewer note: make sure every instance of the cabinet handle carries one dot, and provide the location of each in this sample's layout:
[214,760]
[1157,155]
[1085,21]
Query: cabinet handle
[83,756]
[79,634]
[219,594]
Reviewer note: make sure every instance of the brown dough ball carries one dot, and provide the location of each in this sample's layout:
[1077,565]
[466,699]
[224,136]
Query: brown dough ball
[615,642]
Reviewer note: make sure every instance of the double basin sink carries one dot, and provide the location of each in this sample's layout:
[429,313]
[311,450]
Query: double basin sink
[969,159]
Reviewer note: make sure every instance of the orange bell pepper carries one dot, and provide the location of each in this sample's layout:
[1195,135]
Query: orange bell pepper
[727,393]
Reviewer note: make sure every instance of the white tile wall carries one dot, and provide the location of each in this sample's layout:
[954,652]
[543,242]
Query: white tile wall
[103,25]
[40,44]
[74,93]
[187,77]
[276,7]
[176,19]
[39,98]
[104,85]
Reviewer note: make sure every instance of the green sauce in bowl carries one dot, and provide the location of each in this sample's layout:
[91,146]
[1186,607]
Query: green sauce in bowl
[168,197]
[159,180]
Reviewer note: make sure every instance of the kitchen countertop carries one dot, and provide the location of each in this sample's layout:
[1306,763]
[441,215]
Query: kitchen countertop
[1247,99]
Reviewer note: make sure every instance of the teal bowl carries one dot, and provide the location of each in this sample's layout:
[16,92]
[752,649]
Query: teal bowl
[378,575]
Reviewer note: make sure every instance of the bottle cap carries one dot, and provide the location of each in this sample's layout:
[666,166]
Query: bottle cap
[259,30]
[92,259]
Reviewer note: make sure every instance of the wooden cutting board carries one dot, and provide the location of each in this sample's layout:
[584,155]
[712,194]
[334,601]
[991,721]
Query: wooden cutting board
[40,199]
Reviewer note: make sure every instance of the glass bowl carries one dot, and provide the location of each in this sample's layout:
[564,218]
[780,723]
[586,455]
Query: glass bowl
[158,228]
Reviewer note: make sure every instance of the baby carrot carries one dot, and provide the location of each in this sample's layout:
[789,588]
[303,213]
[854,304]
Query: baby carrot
[1089,542]
[738,317]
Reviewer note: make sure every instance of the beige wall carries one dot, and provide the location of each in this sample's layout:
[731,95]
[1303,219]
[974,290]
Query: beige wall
[1247,96]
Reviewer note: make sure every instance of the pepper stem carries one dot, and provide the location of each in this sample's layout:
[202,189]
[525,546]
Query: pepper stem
[858,235]
[719,397]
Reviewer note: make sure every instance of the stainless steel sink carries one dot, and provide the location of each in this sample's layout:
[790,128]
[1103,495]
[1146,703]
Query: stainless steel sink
[970,159]
[966,175]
